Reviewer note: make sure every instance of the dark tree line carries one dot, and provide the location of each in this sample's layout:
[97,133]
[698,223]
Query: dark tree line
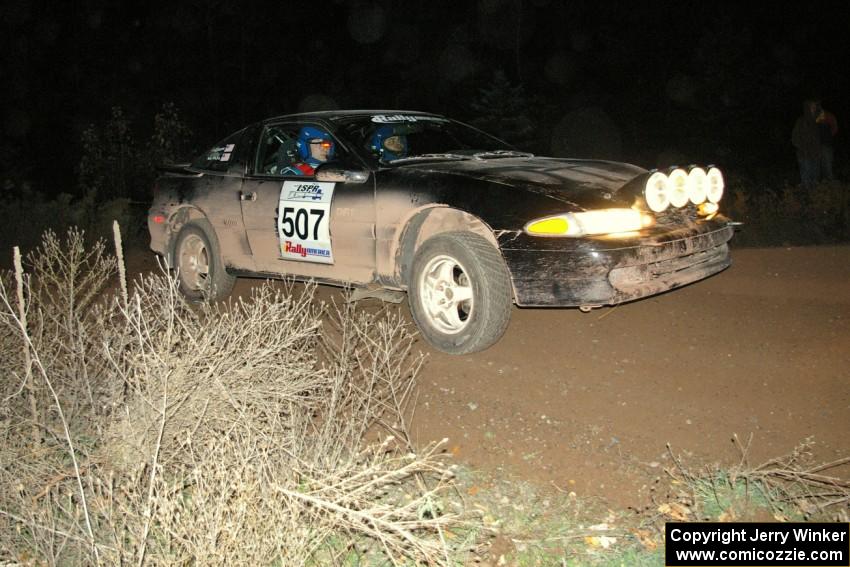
[645,82]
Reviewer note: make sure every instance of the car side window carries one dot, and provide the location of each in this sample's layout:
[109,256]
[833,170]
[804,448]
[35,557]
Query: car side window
[295,150]
[277,149]
[226,156]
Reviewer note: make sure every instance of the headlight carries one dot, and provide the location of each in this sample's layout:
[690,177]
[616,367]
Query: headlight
[708,210]
[697,183]
[605,221]
[715,185]
[678,188]
[655,192]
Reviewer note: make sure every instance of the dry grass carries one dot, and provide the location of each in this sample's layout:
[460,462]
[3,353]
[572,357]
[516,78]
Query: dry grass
[156,432]
[790,487]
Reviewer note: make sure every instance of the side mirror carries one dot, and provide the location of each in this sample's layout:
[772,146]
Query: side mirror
[336,173]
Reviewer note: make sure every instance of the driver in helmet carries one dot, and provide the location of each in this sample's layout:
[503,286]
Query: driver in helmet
[387,144]
[314,146]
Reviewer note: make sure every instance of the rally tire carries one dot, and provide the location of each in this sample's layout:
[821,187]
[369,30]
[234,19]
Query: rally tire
[459,292]
[197,262]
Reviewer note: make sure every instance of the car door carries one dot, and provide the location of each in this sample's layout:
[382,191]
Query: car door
[217,195]
[299,226]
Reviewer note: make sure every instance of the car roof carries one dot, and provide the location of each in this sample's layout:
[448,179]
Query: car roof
[331,114]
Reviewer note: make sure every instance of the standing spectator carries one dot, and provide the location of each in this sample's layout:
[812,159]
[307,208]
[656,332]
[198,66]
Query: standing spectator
[807,141]
[827,129]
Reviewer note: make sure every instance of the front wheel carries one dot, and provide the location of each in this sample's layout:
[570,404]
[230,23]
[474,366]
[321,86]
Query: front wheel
[200,271]
[459,292]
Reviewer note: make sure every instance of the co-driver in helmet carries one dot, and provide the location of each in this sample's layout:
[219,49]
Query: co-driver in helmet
[388,144]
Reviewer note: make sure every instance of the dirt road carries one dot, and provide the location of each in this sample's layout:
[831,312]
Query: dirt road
[589,401]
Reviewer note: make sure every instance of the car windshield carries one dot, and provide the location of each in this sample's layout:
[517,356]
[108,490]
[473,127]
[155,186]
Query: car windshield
[401,138]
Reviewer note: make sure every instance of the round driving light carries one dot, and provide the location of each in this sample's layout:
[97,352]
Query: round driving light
[715,185]
[656,192]
[697,185]
[678,188]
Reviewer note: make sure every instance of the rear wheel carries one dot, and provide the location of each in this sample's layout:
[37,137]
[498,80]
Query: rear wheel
[200,270]
[460,292]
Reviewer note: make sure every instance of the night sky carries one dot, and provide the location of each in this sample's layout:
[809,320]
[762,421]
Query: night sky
[647,82]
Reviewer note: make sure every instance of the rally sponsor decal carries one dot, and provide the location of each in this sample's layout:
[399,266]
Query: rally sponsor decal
[303,222]
[393,118]
[221,154]
[290,247]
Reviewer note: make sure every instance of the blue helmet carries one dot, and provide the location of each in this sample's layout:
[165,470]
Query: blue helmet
[309,134]
[378,143]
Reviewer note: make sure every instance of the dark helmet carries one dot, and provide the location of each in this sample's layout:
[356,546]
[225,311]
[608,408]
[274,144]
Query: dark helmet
[309,134]
[378,143]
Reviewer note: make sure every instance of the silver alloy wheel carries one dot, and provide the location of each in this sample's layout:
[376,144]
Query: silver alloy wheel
[194,262]
[446,294]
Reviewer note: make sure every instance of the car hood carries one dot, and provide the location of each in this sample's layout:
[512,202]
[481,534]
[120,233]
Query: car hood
[564,180]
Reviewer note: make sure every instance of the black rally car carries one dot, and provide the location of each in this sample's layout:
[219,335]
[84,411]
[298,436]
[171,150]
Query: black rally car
[416,202]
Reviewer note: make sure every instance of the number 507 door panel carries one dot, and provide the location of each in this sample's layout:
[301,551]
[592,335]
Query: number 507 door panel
[285,227]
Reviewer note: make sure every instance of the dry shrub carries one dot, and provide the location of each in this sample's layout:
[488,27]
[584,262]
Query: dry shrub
[789,215]
[223,434]
[789,487]
[67,325]
[206,371]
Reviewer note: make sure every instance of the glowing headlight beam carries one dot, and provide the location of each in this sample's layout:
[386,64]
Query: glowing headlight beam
[715,185]
[656,192]
[697,185]
[678,190]
[708,210]
[604,221]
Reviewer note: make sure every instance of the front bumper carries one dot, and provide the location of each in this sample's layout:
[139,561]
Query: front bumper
[565,274]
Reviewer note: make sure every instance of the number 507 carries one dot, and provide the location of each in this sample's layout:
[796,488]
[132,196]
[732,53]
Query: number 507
[301,222]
